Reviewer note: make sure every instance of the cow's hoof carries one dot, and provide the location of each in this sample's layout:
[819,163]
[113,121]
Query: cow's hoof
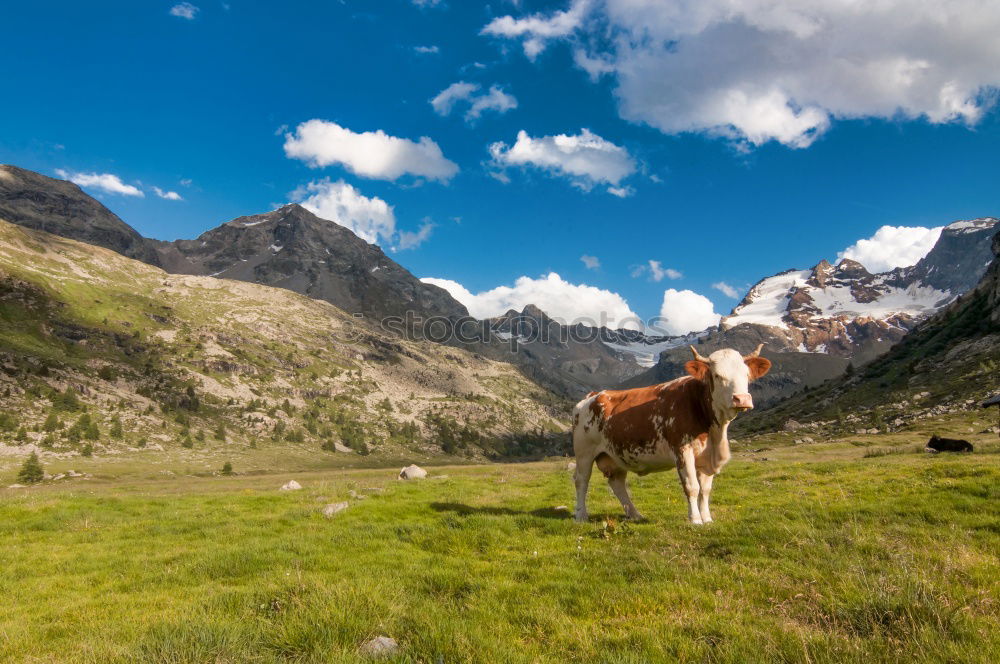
[636,517]
[697,522]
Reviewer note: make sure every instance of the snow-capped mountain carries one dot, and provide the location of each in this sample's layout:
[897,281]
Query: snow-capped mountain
[847,311]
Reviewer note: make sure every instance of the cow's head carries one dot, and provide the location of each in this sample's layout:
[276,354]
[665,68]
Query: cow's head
[728,375]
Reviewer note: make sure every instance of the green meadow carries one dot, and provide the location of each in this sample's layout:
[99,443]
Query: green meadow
[835,552]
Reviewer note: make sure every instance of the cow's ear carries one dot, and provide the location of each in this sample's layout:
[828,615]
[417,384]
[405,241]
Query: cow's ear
[697,369]
[758,366]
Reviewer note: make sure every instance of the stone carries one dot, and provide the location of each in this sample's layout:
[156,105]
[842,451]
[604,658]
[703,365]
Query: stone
[380,646]
[17,486]
[412,472]
[333,508]
[792,425]
[291,485]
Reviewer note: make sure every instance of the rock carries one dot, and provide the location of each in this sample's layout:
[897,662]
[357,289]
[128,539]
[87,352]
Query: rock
[73,473]
[792,425]
[380,646]
[17,486]
[808,439]
[291,485]
[333,508]
[58,477]
[412,472]
[560,508]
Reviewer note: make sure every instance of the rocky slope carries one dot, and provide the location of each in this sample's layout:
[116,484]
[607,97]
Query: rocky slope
[100,353]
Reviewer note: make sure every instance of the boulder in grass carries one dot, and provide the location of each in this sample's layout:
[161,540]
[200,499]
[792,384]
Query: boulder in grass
[412,472]
[291,485]
[380,646]
[333,508]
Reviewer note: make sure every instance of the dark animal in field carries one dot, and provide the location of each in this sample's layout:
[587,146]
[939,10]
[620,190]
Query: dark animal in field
[938,444]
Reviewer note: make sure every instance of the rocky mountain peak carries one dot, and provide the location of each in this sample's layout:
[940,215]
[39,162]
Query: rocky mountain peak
[851,269]
[60,207]
[820,274]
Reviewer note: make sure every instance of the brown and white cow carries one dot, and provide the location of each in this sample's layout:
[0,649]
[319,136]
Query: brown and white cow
[680,424]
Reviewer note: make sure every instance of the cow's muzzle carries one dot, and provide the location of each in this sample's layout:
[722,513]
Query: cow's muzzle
[742,401]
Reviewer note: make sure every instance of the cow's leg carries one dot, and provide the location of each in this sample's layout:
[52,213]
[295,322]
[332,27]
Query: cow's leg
[706,490]
[689,482]
[584,467]
[617,482]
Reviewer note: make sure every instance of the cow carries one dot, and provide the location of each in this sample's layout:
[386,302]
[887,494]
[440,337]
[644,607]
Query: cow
[938,444]
[682,424]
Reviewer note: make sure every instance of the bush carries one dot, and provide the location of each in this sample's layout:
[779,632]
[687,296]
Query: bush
[116,428]
[31,471]
[187,443]
[220,433]
[87,451]
[227,468]
[51,423]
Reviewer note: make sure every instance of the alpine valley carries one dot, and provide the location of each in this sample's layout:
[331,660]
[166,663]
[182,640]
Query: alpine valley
[161,340]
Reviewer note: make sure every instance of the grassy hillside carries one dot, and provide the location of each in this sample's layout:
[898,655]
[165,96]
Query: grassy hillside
[100,354]
[831,552]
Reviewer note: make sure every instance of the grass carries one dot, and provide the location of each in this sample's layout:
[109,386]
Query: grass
[817,555]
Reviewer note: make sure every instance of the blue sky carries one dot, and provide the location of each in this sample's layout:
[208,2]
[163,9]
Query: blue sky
[739,144]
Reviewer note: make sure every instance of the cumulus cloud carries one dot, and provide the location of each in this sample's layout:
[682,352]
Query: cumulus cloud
[778,70]
[591,262]
[587,159]
[495,99]
[369,218]
[558,298]
[184,10]
[725,289]
[685,311]
[168,195]
[106,182]
[370,154]
[537,30]
[656,271]
[426,50]
[892,247]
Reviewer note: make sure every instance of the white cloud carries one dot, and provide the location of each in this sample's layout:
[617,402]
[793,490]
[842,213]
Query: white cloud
[186,182]
[536,30]
[587,159]
[781,70]
[412,240]
[169,195]
[558,298]
[425,50]
[184,10]
[371,154]
[591,262]
[656,271]
[107,182]
[427,3]
[369,218]
[892,247]
[621,192]
[493,100]
[686,311]
[726,289]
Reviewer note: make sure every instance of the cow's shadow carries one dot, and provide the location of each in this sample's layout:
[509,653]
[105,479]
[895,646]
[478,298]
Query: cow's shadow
[466,510]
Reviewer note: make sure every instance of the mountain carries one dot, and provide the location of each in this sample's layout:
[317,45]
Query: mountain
[846,311]
[948,362]
[815,322]
[293,248]
[36,201]
[90,338]
[570,360]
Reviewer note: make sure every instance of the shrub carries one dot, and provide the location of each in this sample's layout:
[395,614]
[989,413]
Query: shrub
[116,428]
[220,433]
[22,435]
[187,443]
[227,468]
[31,472]
[51,423]
[87,451]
